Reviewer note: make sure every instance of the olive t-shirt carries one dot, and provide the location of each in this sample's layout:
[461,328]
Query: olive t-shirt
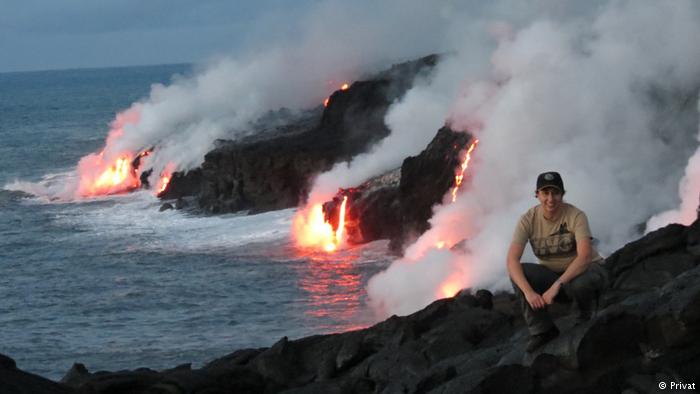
[554,241]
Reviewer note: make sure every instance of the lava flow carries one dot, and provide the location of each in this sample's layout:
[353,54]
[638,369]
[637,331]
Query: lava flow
[312,229]
[450,287]
[344,86]
[98,176]
[465,164]
[110,172]
[459,177]
[164,180]
[454,283]
[165,177]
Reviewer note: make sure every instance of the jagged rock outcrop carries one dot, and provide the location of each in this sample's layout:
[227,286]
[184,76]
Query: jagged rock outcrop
[646,332]
[397,205]
[16,381]
[273,169]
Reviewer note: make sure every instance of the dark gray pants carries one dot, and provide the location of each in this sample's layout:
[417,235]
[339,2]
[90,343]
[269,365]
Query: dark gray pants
[583,289]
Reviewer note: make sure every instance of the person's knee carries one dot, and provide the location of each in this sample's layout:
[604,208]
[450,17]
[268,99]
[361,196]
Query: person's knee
[579,286]
[589,282]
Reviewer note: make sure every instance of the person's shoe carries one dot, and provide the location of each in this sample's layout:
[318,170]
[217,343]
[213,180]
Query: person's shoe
[536,341]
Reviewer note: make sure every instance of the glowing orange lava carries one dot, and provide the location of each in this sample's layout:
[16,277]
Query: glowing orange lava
[333,283]
[165,177]
[341,220]
[98,177]
[311,229]
[164,180]
[465,164]
[112,170]
[451,287]
[453,284]
[344,86]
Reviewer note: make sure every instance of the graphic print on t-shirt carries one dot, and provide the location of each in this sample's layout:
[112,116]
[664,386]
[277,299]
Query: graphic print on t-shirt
[558,244]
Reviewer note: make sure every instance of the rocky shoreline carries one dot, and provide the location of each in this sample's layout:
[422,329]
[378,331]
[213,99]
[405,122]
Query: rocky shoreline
[647,331]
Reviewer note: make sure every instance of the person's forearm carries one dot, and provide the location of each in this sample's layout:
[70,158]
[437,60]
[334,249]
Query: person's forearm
[515,269]
[576,268]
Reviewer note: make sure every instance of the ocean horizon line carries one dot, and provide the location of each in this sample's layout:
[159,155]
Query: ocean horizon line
[95,68]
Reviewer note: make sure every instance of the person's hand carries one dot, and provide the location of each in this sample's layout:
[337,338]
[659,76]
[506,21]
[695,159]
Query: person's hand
[551,293]
[535,300]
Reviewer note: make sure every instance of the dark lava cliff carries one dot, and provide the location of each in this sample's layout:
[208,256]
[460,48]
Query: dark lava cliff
[273,169]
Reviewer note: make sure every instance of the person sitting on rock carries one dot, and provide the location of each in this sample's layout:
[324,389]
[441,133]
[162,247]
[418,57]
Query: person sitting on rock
[570,267]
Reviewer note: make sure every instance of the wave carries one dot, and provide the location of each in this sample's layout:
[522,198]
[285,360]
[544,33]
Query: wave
[135,216]
[50,188]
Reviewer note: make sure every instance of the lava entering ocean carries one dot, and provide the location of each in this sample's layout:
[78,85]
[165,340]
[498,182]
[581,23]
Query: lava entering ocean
[109,173]
[99,176]
[312,228]
[112,173]
[164,180]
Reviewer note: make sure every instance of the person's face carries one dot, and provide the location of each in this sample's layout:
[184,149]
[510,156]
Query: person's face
[551,199]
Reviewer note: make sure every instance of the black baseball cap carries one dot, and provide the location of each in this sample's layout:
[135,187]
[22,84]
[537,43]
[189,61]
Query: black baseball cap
[550,179]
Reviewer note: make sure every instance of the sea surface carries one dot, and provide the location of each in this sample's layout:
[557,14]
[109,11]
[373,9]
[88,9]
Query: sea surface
[113,283]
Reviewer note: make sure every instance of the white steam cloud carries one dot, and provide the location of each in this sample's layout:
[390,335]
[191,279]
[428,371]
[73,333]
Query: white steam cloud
[570,94]
[339,42]
[689,192]
[424,107]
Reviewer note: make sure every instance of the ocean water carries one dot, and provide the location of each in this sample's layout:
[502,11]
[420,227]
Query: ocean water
[113,283]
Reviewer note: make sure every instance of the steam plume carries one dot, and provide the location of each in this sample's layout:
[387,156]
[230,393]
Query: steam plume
[570,94]
[339,42]
[689,192]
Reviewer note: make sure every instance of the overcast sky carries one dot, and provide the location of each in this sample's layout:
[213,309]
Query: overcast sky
[48,34]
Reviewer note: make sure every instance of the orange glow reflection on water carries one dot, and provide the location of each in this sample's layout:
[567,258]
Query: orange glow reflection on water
[334,286]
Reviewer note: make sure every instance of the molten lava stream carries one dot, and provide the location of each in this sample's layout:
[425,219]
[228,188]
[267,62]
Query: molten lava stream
[465,164]
[100,178]
[163,183]
[164,180]
[312,229]
[166,176]
[453,284]
[449,288]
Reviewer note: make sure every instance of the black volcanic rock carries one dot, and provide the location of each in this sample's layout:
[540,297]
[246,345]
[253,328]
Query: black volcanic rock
[397,205]
[653,260]
[182,184]
[470,343]
[426,178]
[273,169]
[16,381]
